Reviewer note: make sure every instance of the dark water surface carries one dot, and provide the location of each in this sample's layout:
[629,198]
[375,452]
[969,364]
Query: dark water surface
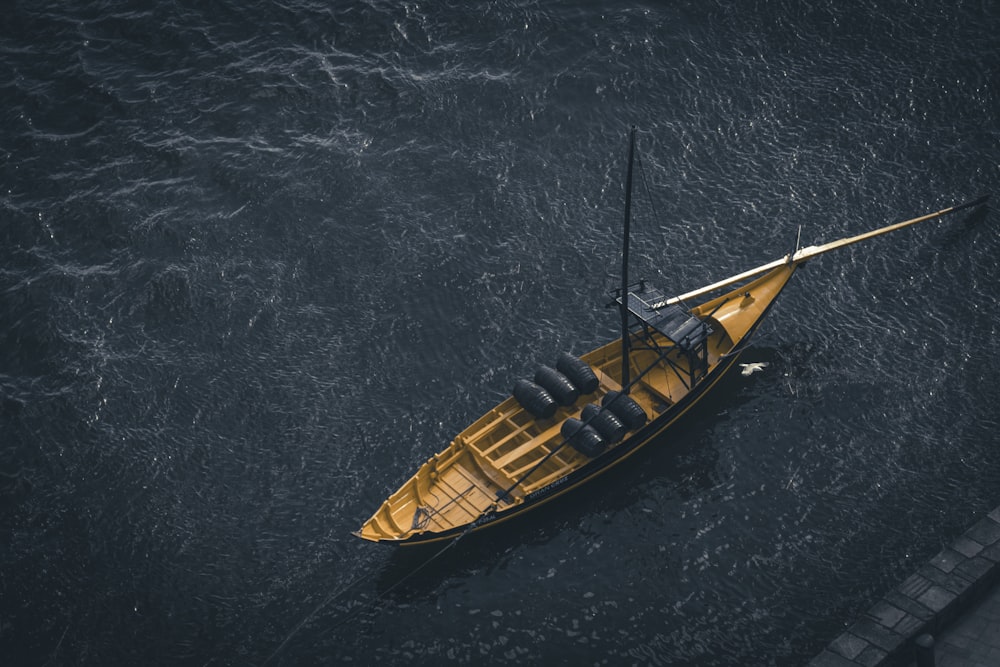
[259,260]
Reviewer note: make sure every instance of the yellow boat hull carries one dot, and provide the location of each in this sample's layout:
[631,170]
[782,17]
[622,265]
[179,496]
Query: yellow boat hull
[508,461]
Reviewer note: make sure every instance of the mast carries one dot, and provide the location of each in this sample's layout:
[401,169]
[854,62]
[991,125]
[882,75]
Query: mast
[623,308]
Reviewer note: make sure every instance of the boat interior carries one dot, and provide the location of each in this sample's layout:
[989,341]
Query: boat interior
[510,453]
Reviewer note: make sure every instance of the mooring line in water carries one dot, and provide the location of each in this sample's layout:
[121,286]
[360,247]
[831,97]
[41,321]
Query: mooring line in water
[352,614]
[330,598]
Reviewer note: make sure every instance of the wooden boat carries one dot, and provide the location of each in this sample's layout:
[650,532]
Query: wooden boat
[579,419]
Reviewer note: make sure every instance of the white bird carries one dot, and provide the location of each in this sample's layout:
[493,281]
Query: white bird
[750,369]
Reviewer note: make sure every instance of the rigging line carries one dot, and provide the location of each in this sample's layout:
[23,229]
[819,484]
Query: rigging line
[645,185]
[744,343]
[352,614]
[664,354]
[381,596]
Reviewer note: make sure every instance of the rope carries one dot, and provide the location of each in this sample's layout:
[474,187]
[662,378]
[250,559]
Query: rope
[645,185]
[329,598]
[351,615]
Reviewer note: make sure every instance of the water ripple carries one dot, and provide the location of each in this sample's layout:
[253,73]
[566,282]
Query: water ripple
[260,261]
